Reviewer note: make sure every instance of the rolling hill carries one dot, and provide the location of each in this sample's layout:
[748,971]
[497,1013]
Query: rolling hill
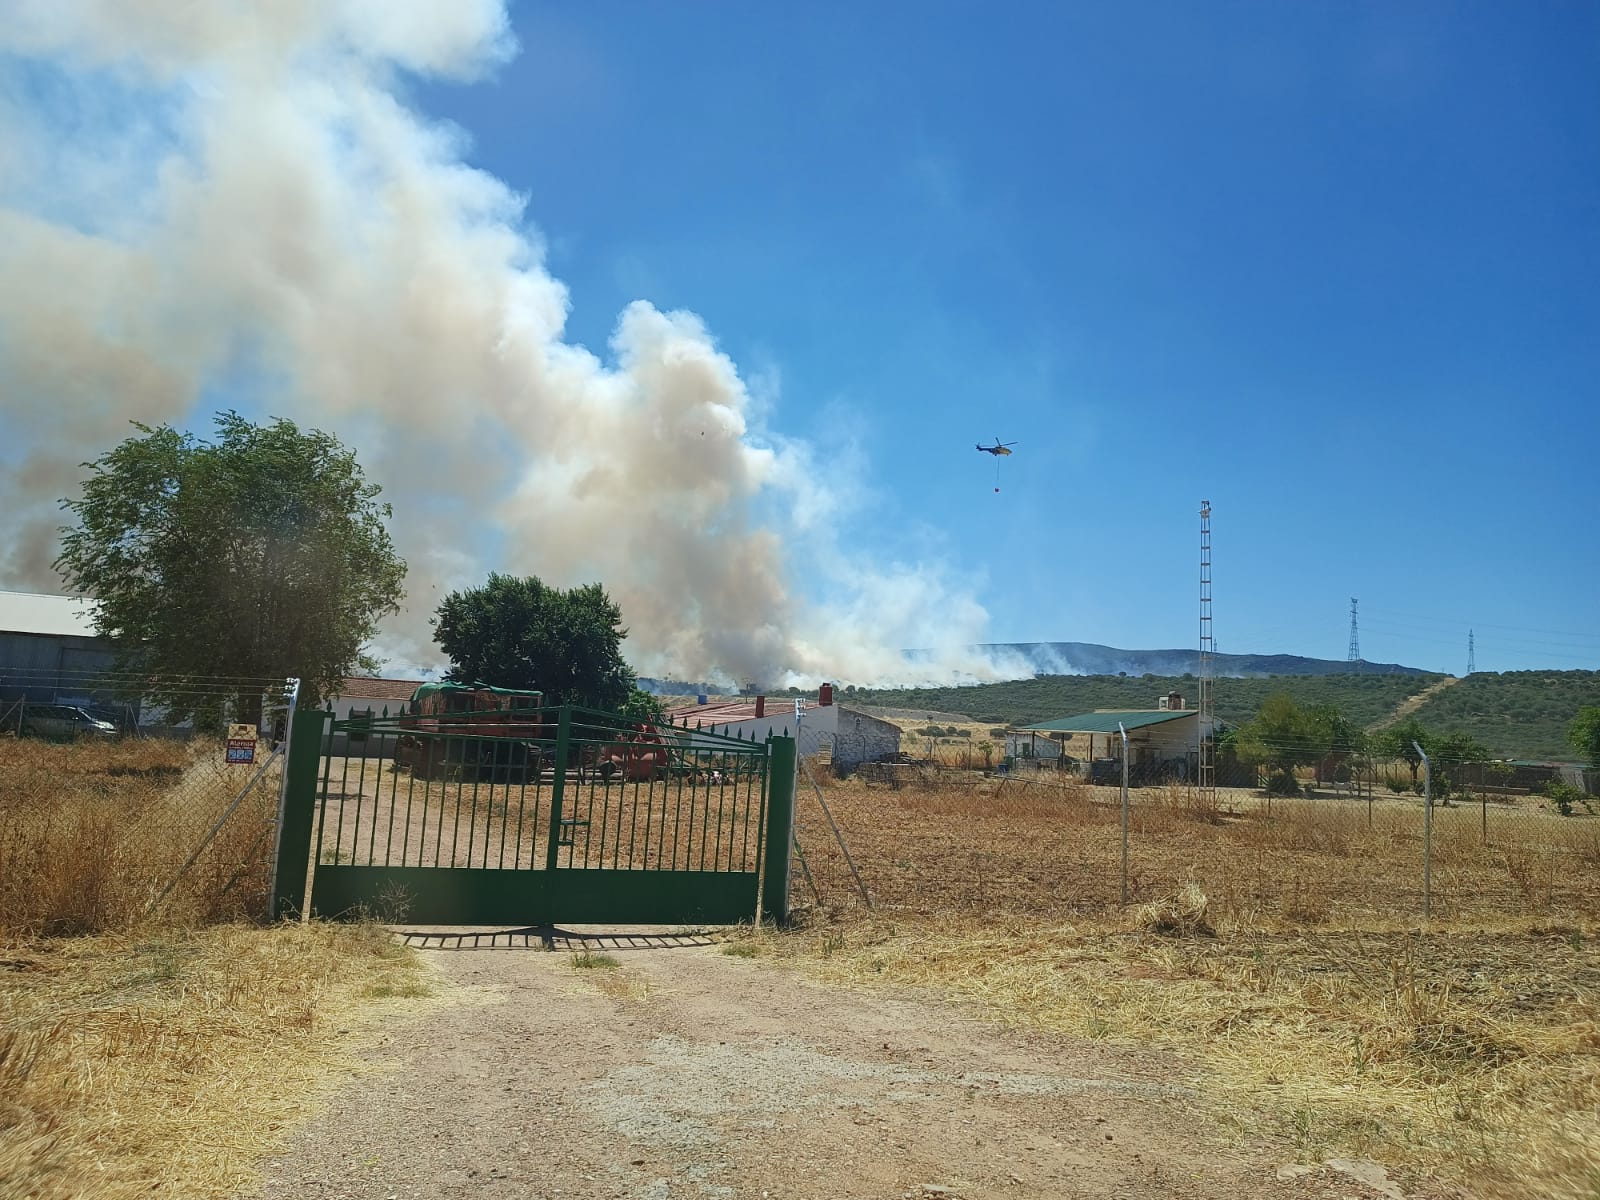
[1090,658]
[1519,714]
[1364,698]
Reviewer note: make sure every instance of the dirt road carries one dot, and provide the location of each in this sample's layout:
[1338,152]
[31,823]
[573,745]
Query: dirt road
[686,1072]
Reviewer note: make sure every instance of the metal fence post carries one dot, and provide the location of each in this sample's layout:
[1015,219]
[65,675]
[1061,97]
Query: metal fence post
[1124,734]
[292,871]
[292,692]
[1427,831]
[781,768]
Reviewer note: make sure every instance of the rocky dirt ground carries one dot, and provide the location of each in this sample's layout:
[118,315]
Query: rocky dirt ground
[684,1071]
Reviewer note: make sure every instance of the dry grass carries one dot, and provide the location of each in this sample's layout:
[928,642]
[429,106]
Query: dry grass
[1020,848]
[163,1062]
[159,1057]
[91,833]
[1283,952]
[1457,1054]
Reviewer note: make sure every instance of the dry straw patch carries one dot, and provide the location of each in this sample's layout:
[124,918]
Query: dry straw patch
[167,1063]
[91,833]
[149,1059]
[1315,1008]
[1051,848]
[1462,1055]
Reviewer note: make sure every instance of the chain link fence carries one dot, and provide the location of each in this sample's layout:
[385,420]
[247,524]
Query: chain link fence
[113,809]
[1330,843]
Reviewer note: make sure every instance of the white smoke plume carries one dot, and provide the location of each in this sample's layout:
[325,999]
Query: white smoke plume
[202,197]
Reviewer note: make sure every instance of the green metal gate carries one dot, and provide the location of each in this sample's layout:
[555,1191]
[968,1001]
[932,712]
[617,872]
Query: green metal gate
[533,817]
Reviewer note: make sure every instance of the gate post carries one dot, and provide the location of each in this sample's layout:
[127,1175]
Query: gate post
[780,831]
[291,871]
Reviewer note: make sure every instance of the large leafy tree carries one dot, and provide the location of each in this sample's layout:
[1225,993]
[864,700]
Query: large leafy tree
[521,633]
[217,565]
[1584,733]
[1284,735]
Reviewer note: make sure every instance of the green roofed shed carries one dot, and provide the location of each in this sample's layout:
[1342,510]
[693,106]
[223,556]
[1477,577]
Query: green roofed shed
[1107,722]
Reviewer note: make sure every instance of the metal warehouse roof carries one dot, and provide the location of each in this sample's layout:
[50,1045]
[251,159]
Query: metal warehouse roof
[1106,722]
[54,616]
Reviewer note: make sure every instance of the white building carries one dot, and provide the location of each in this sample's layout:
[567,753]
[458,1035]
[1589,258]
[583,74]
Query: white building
[850,737]
[1163,743]
[813,723]
[362,697]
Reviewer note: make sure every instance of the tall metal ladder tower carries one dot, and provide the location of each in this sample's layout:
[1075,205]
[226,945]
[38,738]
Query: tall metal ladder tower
[1472,654]
[1208,649]
[1355,640]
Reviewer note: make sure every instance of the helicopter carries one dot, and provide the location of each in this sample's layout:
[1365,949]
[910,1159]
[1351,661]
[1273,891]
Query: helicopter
[999,449]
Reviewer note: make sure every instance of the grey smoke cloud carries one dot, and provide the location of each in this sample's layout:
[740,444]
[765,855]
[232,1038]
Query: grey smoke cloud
[206,193]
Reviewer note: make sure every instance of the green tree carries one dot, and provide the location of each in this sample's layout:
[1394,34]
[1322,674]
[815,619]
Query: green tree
[1400,741]
[1343,738]
[259,555]
[643,707]
[520,633]
[1283,736]
[1584,733]
[1450,755]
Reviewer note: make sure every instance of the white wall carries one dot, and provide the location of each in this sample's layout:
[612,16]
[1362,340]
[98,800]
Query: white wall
[1039,746]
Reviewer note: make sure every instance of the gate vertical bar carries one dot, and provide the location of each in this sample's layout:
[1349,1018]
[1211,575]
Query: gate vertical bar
[781,762]
[558,784]
[300,803]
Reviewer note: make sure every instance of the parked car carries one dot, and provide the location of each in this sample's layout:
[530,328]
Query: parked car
[62,722]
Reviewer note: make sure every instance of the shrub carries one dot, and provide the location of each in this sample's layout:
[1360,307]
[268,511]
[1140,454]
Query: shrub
[1566,796]
[1283,783]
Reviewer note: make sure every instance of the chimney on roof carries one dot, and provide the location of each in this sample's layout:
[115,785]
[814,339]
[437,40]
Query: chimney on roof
[825,695]
[761,706]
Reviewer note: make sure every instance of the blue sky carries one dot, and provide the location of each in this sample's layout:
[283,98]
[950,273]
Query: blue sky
[1330,266]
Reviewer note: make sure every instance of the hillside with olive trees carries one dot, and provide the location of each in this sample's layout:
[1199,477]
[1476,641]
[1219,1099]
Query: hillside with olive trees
[1515,714]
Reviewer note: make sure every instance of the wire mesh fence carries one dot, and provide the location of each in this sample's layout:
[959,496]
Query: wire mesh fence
[119,808]
[1384,839]
[113,809]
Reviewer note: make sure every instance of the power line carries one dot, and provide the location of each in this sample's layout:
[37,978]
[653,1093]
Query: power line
[1435,620]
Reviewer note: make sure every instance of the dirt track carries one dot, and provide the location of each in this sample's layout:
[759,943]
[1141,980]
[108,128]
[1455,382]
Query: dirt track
[685,1072]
